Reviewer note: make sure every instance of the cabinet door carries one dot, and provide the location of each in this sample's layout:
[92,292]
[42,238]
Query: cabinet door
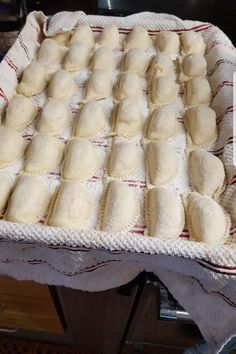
[97,320]
[148,334]
[27,305]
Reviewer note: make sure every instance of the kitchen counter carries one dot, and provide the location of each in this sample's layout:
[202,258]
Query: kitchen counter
[6,41]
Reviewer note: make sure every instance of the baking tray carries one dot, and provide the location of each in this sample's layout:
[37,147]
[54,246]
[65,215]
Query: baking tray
[221,58]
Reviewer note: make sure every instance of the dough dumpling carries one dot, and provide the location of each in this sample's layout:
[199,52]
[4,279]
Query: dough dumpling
[71,206]
[200,123]
[110,36]
[128,86]
[82,160]
[62,86]
[193,65]
[99,86]
[161,65]
[20,112]
[61,38]
[164,213]
[83,34]
[120,208]
[123,160]
[78,57]
[12,146]
[49,52]
[55,117]
[34,80]
[29,201]
[128,120]
[192,42]
[5,190]
[162,91]
[206,219]
[197,92]
[168,42]
[207,172]
[138,38]
[104,59]
[162,163]
[163,124]
[90,120]
[43,155]
[136,61]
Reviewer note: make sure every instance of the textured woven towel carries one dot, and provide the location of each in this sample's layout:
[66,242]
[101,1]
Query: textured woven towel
[201,277]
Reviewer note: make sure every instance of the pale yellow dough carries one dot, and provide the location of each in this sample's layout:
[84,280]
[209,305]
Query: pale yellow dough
[119,209]
[162,91]
[99,86]
[78,57]
[43,155]
[62,85]
[104,59]
[110,36]
[197,92]
[12,146]
[34,80]
[207,172]
[200,123]
[55,117]
[82,160]
[164,213]
[193,65]
[5,190]
[168,42]
[124,160]
[29,201]
[49,52]
[128,86]
[83,34]
[137,38]
[162,163]
[128,119]
[61,38]
[136,60]
[161,65]
[206,219]
[192,42]
[163,124]
[20,112]
[71,206]
[90,120]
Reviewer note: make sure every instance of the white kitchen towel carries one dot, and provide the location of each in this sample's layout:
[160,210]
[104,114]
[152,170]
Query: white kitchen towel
[208,295]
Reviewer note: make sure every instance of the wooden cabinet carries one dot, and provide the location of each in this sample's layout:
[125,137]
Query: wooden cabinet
[122,320]
[148,334]
[98,320]
[27,305]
